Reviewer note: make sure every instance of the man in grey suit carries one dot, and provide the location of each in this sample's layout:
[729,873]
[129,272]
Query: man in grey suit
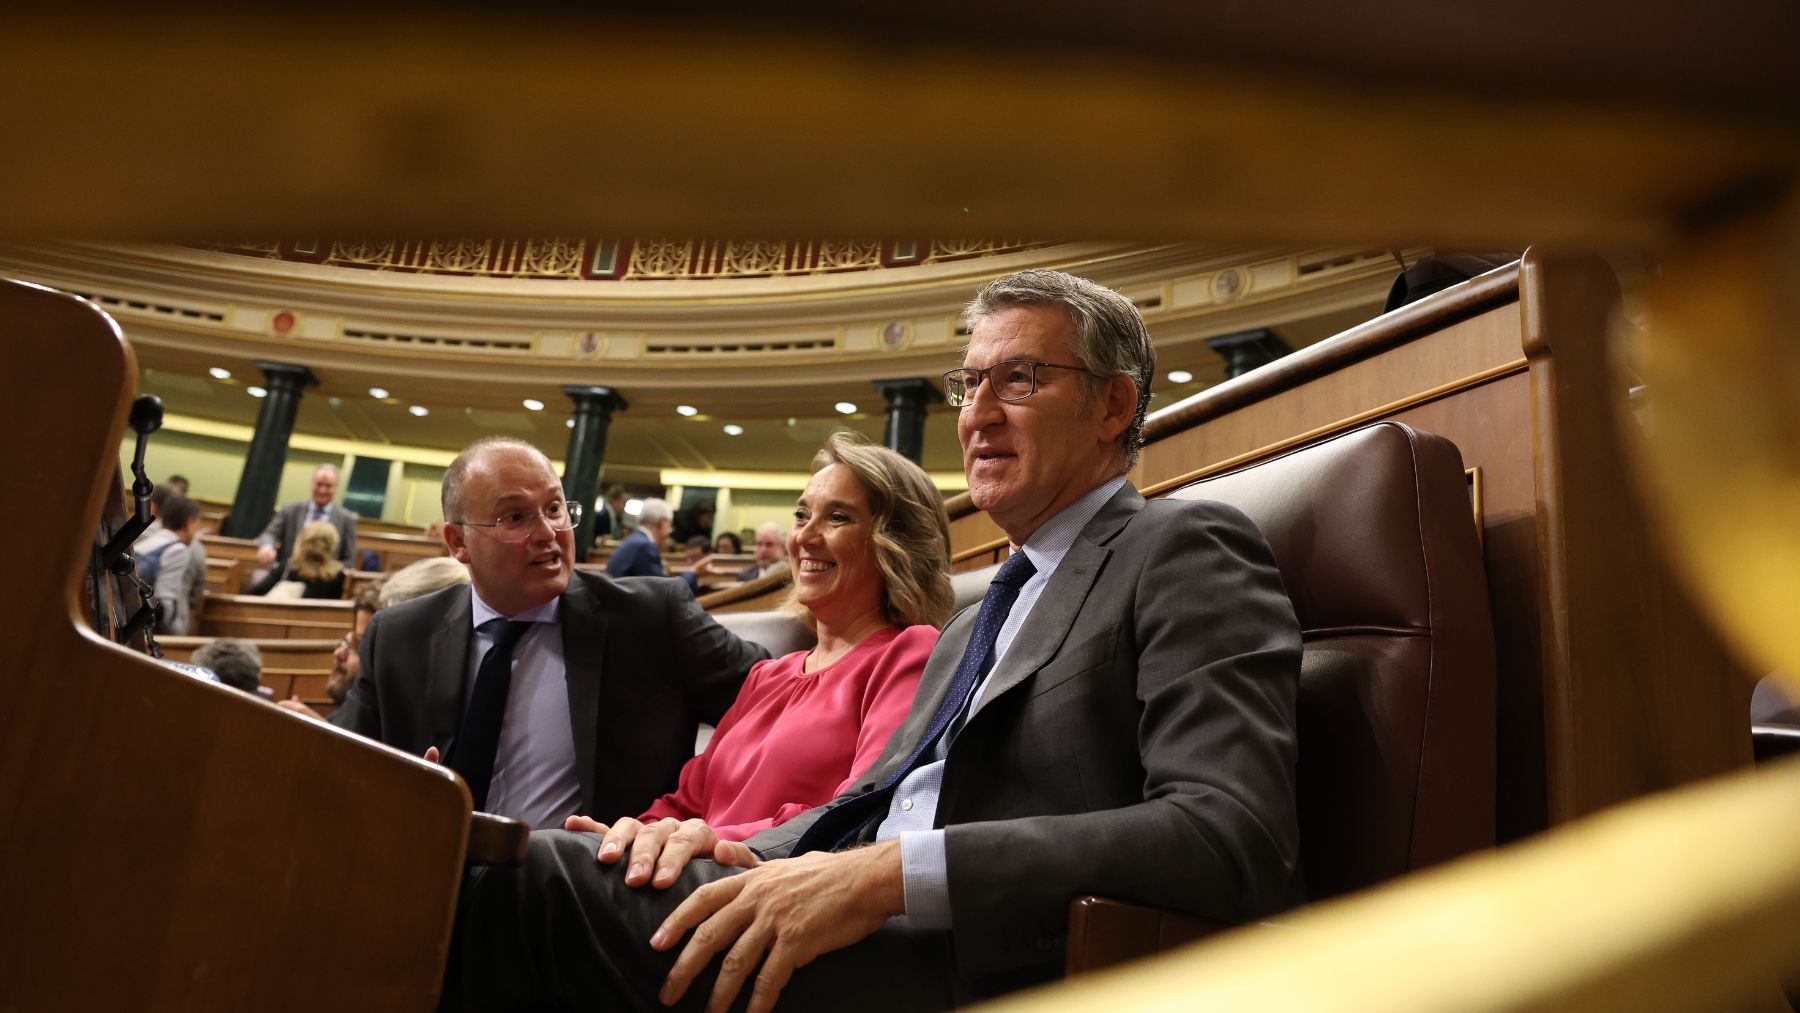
[1117,717]
[275,546]
[551,694]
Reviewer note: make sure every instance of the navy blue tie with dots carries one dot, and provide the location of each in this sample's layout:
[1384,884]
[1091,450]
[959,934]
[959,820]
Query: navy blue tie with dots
[838,827]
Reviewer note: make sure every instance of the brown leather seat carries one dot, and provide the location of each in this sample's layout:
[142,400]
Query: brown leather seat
[1374,532]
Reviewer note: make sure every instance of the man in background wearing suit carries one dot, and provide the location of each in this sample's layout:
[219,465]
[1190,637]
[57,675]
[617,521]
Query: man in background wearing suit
[640,553]
[275,546]
[1116,717]
[552,695]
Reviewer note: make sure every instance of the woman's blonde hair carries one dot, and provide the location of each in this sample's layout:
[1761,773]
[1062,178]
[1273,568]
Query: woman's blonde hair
[909,529]
[315,558]
[422,578]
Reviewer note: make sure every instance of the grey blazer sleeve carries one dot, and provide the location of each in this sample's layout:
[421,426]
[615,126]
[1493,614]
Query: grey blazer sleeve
[1207,637]
[347,551]
[276,534]
[713,659]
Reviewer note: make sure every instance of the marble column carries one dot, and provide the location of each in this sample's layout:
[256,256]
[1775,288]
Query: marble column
[594,407]
[258,486]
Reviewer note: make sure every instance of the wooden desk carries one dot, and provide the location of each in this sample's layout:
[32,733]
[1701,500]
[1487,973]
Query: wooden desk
[225,576]
[397,551]
[253,617]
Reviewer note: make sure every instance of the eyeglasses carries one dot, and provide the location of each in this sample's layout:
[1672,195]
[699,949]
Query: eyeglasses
[1009,379]
[517,524]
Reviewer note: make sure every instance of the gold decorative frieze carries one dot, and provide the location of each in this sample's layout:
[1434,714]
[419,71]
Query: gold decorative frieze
[601,259]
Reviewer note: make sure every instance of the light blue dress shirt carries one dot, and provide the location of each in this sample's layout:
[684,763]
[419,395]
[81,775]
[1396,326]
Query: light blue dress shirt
[534,766]
[913,811]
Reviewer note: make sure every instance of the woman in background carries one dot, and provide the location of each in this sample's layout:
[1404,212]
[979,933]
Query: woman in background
[315,562]
[870,552]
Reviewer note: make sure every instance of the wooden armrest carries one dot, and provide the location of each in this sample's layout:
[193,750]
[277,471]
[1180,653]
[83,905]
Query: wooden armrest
[1106,932]
[497,840]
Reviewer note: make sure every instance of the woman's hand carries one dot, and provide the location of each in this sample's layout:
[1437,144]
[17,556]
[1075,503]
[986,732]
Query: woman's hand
[658,852]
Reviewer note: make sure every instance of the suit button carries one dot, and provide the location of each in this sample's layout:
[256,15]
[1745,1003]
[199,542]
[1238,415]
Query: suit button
[906,805]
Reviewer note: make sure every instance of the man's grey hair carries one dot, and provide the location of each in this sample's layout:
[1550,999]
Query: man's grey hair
[654,510]
[326,467]
[1110,336]
[458,472]
[237,663]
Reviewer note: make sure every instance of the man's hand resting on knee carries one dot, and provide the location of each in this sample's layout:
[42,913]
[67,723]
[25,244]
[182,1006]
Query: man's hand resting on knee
[793,909]
[665,846]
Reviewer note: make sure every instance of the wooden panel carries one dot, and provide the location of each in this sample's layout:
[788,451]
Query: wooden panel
[256,618]
[239,814]
[359,579]
[225,576]
[221,547]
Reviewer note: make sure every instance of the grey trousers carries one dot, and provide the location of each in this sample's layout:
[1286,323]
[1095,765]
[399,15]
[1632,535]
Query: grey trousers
[563,932]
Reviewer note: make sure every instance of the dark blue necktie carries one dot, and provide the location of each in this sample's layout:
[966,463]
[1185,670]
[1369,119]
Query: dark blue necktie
[473,753]
[837,827]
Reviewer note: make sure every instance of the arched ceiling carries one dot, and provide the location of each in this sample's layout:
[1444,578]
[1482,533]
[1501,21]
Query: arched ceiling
[772,354]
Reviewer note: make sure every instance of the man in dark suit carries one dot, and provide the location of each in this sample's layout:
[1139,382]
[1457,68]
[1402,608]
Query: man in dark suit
[1117,717]
[552,695]
[275,546]
[640,553]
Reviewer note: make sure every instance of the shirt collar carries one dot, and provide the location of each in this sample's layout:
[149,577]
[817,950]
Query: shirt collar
[483,613]
[1052,540]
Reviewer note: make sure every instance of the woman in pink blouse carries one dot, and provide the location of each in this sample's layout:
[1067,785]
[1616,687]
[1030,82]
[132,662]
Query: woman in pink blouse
[870,551]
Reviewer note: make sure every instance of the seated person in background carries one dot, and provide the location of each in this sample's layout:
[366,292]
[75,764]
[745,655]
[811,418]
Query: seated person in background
[278,541]
[771,553]
[550,693]
[315,562]
[179,483]
[874,584]
[344,663]
[640,554]
[164,562]
[727,544]
[409,582]
[237,663]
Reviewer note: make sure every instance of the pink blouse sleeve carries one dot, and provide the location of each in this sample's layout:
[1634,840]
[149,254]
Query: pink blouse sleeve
[887,698]
[689,798]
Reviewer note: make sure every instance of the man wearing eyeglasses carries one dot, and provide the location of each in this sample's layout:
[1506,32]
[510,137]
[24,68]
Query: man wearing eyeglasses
[551,693]
[1116,718]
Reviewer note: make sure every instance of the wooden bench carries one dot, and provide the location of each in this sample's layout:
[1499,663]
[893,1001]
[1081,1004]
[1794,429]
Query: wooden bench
[225,576]
[397,551]
[359,579]
[221,547]
[256,618]
[291,668]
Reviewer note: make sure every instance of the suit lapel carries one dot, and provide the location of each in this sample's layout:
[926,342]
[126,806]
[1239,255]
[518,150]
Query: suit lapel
[1057,607]
[447,674]
[584,629]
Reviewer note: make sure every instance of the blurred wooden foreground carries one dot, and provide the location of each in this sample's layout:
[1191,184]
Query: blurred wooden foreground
[1646,126]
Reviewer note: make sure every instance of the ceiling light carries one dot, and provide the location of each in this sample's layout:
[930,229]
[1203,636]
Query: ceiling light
[336,402]
[734,430]
[845,408]
[634,506]
[220,374]
[256,392]
[570,423]
[686,409]
[420,410]
[533,404]
[1180,376]
[378,393]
